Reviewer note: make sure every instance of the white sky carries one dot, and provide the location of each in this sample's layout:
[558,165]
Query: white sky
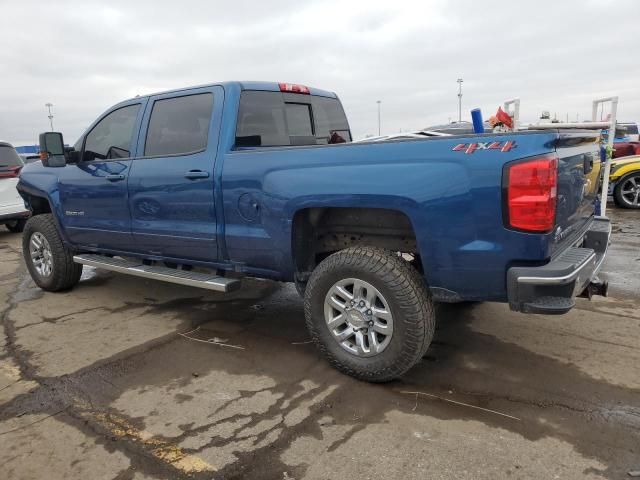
[84,56]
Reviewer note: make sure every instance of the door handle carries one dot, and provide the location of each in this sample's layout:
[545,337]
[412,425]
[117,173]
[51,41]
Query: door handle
[193,174]
[115,178]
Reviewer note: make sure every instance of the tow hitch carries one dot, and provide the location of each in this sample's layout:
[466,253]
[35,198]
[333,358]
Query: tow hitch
[595,287]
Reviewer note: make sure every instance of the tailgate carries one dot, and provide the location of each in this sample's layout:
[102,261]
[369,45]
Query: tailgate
[578,183]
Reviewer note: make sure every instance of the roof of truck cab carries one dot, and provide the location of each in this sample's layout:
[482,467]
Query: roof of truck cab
[243,85]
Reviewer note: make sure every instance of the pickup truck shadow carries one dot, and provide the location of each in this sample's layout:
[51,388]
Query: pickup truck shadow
[197,396]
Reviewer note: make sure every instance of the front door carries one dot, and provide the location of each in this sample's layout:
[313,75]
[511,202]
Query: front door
[93,192]
[171,184]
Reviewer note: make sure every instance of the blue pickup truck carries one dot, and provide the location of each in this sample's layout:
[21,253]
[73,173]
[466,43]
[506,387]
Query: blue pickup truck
[204,185]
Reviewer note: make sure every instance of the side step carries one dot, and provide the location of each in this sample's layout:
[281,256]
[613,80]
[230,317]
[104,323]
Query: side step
[137,268]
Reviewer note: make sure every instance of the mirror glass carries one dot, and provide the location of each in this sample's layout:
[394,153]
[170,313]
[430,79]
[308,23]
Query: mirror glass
[54,143]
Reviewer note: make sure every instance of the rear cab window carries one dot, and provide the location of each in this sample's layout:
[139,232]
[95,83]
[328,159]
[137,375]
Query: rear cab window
[269,119]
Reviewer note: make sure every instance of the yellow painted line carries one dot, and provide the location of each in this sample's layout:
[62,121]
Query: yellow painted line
[161,449]
[10,371]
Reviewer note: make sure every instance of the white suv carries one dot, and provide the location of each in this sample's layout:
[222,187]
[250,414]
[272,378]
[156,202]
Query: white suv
[13,213]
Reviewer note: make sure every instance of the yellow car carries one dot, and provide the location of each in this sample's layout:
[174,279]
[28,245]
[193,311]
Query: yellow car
[624,181]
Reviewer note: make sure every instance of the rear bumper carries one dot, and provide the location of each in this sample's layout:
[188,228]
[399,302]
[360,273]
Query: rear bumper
[551,288]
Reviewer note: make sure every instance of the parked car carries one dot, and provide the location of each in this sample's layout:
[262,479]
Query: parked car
[624,181]
[630,131]
[13,213]
[30,158]
[372,233]
[401,135]
[625,149]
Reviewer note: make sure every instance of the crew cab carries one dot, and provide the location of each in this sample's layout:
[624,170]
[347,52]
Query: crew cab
[202,186]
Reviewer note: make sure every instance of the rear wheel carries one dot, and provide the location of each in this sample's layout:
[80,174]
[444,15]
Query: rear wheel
[369,312]
[16,226]
[300,287]
[627,191]
[49,262]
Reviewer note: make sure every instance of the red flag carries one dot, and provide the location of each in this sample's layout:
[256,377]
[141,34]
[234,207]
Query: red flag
[504,117]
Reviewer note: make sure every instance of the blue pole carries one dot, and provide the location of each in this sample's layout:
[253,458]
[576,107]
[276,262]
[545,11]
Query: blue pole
[476,118]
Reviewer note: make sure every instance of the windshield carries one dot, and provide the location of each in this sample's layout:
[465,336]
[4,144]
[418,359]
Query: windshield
[9,157]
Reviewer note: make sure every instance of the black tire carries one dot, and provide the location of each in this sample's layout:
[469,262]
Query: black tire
[16,226]
[616,202]
[301,287]
[406,294]
[65,272]
[619,199]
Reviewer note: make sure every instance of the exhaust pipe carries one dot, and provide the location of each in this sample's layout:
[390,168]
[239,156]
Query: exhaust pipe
[595,287]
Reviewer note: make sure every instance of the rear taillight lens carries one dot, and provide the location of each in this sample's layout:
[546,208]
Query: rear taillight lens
[531,193]
[10,172]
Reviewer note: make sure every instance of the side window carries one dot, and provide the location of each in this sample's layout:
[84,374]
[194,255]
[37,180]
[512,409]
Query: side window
[111,137]
[261,120]
[179,125]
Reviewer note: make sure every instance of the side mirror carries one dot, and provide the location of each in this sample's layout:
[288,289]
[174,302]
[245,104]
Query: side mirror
[52,151]
[73,156]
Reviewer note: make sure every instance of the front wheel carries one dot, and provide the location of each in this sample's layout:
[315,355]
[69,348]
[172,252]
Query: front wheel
[369,312]
[627,191]
[49,262]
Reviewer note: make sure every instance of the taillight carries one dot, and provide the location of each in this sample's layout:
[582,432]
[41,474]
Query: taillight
[293,88]
[10,172]
[531,193]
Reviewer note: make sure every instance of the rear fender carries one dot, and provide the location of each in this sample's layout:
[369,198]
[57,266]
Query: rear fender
[406,206]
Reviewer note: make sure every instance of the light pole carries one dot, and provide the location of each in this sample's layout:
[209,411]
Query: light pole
[49,105]
[378,102]
[459,99]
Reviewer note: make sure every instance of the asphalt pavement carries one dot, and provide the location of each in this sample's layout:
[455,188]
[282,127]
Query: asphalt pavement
[123,378]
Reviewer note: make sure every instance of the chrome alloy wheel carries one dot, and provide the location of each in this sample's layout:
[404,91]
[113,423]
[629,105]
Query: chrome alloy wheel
[358,317]
[630,190]
[41,254]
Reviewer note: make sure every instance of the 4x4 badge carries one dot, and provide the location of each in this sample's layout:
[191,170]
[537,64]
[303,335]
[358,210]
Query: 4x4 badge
[472,147]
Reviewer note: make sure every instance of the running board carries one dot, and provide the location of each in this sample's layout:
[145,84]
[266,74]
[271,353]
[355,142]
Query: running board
[165,274]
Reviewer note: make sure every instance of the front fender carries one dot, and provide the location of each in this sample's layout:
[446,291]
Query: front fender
[37,182]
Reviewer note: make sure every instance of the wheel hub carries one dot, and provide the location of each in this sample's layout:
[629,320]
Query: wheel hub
[358,317]
[41,256]
[630,190]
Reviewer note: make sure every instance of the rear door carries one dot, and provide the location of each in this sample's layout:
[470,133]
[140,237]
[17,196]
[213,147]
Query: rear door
[93,192]
[578,183]
[171,186]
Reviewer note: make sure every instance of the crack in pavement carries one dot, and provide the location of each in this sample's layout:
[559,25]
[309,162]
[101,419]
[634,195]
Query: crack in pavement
[65,394]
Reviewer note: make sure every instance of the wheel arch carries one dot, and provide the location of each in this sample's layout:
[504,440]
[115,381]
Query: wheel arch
[39,203]
[625,170]
[319,231]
